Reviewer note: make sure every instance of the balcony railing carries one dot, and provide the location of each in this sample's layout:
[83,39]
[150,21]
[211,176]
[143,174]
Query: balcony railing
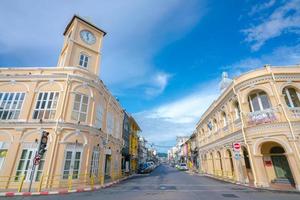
[295,112]
[261,117]
[225,128]
[237,123]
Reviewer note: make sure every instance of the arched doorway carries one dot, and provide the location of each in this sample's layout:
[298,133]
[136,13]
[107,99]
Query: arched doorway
[205,163]
[247,170]
[276,165]
[231,166]
[220,166]
[212,164]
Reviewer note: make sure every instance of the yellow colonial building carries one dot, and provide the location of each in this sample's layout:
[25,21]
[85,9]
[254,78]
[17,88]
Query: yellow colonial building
[133,147]
[259,110]
[69,101]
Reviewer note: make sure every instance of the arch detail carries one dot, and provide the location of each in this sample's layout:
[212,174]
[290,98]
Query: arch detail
[259,142]
[77,133]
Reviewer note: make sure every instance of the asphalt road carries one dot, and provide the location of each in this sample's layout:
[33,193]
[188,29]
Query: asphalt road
[166,183]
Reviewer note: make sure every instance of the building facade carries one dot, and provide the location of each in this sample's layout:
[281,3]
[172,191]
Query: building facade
[260,111]
[177,153]
[193,160]
[142,150]
[133,147]
[70,102]
[126,144]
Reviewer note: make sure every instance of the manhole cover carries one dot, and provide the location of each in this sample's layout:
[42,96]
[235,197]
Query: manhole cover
[230,195]
[163,187]
[135,188]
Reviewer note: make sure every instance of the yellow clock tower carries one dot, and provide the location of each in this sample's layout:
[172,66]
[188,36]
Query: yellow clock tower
[82,45]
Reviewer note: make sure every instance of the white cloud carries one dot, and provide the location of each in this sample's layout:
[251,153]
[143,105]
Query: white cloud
[158,84]
[32,33]
[163,123]
[281,56]
[262,6]
[285,18]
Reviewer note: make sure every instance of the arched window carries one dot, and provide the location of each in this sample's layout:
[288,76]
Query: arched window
[46,104]
[210,126]
[259,101]
[224,118]
[80,107]
[236,110]
[291,97]
[277,149]
[215,125]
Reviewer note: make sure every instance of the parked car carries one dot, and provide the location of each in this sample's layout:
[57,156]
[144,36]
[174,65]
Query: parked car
[151,165]
[144,168]
[182,166]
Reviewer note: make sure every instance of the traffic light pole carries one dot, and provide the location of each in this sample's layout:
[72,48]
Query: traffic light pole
[38,155]
[32,174]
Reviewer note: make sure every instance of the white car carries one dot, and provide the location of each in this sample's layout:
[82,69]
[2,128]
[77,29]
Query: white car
[182,166]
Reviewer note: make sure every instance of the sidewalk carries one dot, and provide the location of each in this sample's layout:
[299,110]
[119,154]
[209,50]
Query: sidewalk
[65,191]
[242,184]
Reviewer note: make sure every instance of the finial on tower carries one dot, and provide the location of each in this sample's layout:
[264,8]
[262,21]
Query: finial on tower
[225,82]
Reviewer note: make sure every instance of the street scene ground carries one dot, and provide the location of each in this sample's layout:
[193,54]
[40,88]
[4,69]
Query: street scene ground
[134,99]
[167,183]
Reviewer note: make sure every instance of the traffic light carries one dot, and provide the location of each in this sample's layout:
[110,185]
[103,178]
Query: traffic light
[43,143]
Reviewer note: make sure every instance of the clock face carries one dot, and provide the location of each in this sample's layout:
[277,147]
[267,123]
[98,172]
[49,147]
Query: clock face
[87,37]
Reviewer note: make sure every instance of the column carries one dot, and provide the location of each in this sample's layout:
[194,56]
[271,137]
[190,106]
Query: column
[294,169]
[258,166]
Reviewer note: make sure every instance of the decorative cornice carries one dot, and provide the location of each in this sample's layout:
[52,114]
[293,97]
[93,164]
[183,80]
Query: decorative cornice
[224,141]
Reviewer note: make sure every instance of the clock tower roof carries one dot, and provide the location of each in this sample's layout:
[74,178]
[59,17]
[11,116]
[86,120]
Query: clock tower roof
[85,21]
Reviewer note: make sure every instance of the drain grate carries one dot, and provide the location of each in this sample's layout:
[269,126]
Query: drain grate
[230,195]
[238,188]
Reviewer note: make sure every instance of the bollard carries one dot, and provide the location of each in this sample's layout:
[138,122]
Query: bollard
[102,179]
[21,183]
[92,182]
[41,183]
[70,182]
[113,175]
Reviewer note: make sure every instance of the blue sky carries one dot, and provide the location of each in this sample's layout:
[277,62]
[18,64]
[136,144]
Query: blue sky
[162,59]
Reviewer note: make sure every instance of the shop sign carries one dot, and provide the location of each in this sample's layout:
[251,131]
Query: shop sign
[108,151]
[268,163]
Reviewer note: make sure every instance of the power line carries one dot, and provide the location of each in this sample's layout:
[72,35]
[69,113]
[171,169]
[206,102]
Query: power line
[160,146]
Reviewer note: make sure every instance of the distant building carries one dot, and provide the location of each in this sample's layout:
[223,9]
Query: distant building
[126,144]
[133,147]
[143,155]
[176,153]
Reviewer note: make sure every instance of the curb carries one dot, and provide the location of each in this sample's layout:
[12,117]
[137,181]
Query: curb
[64,191]
[245,185]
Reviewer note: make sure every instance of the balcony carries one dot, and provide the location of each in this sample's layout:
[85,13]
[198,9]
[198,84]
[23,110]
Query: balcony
[295,112]
[237,124]
[225,128]
[261,117]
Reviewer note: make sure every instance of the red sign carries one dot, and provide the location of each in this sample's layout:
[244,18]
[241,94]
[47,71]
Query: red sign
[237,146]
[268,163]
[37,160]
